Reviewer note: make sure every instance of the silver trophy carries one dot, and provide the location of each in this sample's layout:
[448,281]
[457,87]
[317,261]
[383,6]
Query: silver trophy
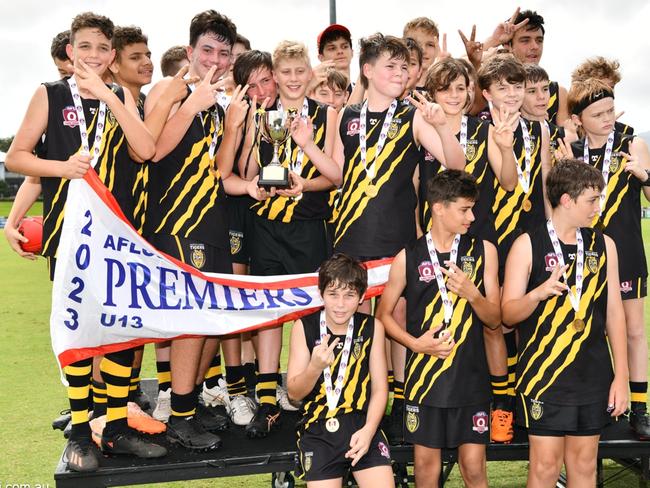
[274,127]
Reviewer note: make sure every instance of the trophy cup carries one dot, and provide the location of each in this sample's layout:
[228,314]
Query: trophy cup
[274,127]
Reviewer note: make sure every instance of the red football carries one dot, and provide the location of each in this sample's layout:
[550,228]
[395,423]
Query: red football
[32,228]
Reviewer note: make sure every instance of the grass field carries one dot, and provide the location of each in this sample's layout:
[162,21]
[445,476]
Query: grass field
[32,395]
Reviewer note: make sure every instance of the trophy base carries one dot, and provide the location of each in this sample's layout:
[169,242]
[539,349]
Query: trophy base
[276,176]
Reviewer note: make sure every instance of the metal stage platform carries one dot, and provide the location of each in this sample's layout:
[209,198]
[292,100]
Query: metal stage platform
[276,454]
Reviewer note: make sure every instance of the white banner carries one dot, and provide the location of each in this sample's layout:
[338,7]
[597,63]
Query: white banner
[113,290]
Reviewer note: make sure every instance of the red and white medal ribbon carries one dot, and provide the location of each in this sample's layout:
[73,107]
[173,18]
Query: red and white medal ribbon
[383,135]
[574,298]
[607,158]
[217,121]
[81,118]
[524,176]
[296,166]
[333,394]
[448,307]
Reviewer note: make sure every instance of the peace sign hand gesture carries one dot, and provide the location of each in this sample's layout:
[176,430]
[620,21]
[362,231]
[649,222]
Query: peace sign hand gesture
[473,48]
[323,355]
[505,31]
[431,112]
[204,94]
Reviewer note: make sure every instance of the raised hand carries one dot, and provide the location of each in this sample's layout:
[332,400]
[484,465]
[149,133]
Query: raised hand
[473,48]
[88,81]
[633,166]
[238,108]
[302,130]
[322,355]
[552,286]
[505,31]
[563,150]
[176,90]
[458,282]
[204,94]
[503,123]
[431,112]
[443,53]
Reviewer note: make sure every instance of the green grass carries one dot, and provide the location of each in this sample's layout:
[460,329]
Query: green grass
[32,394]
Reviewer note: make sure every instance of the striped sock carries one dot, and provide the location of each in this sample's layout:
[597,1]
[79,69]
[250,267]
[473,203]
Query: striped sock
[78,377]
[500,391]
[116,371]
[638,395]
[164,375]
[267,383]
[99,399]
[214,373]
[135,383]
[235,380]
[511,348]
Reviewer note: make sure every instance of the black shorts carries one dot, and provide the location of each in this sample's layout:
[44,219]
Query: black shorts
[503,249]
[204,257]
[287,248]
[321,454]
[240,219]
[51,266]
[634,288]
[548,419]
[440,428]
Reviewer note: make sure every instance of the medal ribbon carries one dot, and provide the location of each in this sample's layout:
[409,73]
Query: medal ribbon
[81,118]
[370,171]
[605,171]
[333,395]
[463,134]
[574,298]
[296,166]
[524,176]
[453,255]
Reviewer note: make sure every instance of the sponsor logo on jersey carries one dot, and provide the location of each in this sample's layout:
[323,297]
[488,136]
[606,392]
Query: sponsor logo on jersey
[551,261]
[353,127]
[383,450]
[425,269]
[70,117]
[480,421]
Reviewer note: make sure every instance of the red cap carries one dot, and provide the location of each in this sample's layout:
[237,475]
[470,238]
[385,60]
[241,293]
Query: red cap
[330,28]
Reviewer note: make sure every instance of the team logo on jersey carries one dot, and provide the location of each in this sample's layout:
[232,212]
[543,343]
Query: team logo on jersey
[307,460]
[533,144]
[467,265]
[480,421]
[470,150]
[592,264]
[236,238]
[383,450]
[110,117]
[353,127]
[626,286]
[356,351]
[551,261]
[412,419]
[70,117]
[197,255]
[614,163]
[393,128]
[426,271]
[536,409]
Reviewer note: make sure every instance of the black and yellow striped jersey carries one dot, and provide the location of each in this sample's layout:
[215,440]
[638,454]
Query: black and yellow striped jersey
[478,165]
[553,101]
[558,362]
[626,130]
[62,139]
[555,133]
[313,205]
[462,378]
[516,211]
[139,188]
[185,190]
[621,212]
[355,394]
[377,225]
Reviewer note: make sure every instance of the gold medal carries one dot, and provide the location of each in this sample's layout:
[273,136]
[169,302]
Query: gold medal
[332,425]
[371,191]
[527,205]
[578,325]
